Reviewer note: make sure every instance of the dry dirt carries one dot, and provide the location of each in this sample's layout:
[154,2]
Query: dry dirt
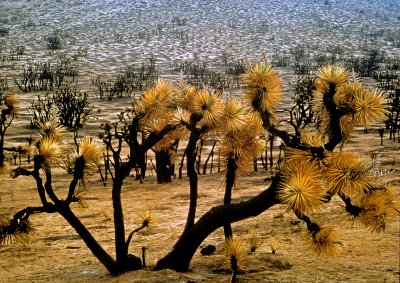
[242,29]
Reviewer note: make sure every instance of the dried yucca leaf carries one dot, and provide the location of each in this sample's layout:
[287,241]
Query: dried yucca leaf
[301,188]
[235,248]
[324,242]
[148,219]
[156,102]
[90,150]
[369,106]
[330,75]
[233,117]
[263,87]
[49,149]
[312,138]
[378,207]
[11,102]
[209,107]
[347,172]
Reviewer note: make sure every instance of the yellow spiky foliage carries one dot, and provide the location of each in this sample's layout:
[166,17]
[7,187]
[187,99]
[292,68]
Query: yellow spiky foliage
[51,129]
[369,105]
[187,95]
[148,219]
[233,118]
[263,88]
[208,106]
[11,102]
[49,149]
[347,172]
[378,208]
[301,187]
[156,101]
[312,138]
[235,248]
[4,169]
[91,151]
[346,93]
[292,153]
[157,125]
[242,143]
[329,75]
[324,242]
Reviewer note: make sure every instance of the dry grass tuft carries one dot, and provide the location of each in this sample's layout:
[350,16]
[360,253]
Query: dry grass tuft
[235,248]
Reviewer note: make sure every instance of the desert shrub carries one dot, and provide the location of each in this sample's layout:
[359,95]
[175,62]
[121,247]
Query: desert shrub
[126,81]
[301,114]
[393,121]
[302,67]
[8,110]
[4,31]
[367,64]
[42,109]
[44,76]
[3,85]
[54,40]
[73,107]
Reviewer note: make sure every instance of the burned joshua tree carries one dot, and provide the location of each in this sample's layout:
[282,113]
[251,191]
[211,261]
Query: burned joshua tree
[309,174]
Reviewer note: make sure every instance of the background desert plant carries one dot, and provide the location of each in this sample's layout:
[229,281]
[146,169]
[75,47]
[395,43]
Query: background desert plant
[8,110]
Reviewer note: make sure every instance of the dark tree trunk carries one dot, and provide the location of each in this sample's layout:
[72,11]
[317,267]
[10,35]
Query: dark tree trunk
[2,157]
[230,182]
[180,256]
[193,178]
[91,242]
[163,166]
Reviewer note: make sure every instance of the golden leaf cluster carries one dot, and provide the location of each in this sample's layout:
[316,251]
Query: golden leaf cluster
[156,102]
[90,150]
[240,139]
[378,207]
[312,138]
[347,172]
[301,187]
[263,87]
[148,219]
[49,149]
[324,242]
[209,106]
[10,102]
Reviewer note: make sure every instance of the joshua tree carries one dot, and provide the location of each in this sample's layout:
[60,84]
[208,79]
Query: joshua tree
[311,171]
[8,110]
[309,174]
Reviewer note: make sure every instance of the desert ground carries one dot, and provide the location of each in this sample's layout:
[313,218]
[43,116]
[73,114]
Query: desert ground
[105,36]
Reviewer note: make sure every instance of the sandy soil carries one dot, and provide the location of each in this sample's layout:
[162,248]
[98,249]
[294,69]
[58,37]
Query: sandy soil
[119,33]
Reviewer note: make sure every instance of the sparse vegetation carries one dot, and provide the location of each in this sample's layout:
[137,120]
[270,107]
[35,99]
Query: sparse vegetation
[215,108]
